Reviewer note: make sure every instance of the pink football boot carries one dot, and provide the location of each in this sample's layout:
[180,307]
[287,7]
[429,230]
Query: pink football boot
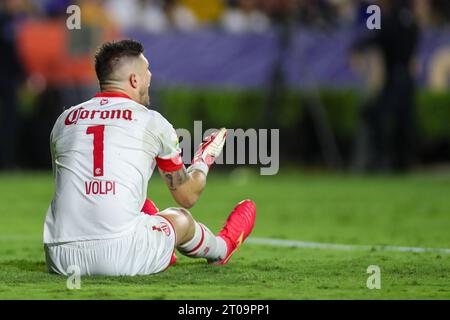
[237,228]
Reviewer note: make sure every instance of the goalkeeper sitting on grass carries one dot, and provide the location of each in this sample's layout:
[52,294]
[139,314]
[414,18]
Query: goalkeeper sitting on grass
[103,154]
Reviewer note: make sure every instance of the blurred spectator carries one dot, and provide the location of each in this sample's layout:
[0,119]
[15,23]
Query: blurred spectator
[10,78]
[422,10]
[345,10]
[441,11]
[66,59]
[439,70]
[124,13]
[389,119]
[155,16]
[317,13]
[206,12]
[240,16]
[60,73]
[279,9]
[245,17]
[180,16]
[57,63]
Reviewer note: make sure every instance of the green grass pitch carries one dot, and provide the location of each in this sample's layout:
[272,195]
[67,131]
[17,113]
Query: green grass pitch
[411,210]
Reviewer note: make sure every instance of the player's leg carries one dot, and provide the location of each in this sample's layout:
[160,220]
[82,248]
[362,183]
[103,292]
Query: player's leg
[195,240]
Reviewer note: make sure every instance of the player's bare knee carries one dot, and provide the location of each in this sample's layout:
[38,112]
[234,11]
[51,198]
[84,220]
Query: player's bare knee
[184,224]
[190,230]
[188,224]
[182,214]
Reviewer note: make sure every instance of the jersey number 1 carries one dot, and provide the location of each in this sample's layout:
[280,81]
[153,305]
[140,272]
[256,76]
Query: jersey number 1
[98,132]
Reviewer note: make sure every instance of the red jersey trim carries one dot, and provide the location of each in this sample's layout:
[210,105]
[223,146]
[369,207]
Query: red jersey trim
[170,165]
[112,95]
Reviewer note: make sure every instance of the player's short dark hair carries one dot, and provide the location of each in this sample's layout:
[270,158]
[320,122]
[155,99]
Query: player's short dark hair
[110,53]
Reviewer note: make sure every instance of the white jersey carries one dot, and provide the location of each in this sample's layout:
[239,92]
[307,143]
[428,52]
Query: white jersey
[103,155]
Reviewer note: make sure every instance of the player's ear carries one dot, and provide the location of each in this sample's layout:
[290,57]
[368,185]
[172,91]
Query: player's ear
[133,80]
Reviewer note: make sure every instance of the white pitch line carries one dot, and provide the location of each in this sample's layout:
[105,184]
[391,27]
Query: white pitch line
[287,243]
[344,247]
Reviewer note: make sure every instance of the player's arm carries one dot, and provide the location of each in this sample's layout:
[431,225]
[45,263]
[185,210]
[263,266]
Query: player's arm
[186,186]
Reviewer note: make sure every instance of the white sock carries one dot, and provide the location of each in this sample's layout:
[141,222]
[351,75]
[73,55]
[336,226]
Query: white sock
[204,244]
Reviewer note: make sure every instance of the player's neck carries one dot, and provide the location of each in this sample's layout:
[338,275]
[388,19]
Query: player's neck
[116,89]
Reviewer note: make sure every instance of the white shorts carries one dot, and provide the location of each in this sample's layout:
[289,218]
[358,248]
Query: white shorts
[148,249]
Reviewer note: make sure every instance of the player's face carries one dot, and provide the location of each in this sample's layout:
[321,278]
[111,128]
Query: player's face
[144,88]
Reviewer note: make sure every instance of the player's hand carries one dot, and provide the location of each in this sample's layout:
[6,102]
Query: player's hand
[209,150]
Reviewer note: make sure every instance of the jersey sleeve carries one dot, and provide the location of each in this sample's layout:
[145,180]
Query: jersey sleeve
[169,157]
[53,134]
